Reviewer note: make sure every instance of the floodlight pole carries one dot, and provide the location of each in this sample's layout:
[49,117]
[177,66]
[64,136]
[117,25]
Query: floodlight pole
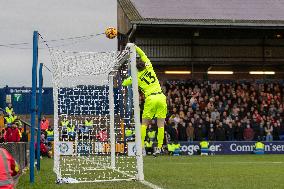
[33,105]
[39,109]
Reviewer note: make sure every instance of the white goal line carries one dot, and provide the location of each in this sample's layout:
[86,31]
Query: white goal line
[131,177]
[149,184]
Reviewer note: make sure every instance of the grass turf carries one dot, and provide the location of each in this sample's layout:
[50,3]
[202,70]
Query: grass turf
[194,172]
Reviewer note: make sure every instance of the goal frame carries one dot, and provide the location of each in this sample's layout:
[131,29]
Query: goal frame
[138,143]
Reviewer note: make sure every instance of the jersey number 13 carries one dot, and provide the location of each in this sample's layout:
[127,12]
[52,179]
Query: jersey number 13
[148,77]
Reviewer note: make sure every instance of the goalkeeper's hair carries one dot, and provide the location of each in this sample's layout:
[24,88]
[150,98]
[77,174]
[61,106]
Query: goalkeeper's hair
[140,65]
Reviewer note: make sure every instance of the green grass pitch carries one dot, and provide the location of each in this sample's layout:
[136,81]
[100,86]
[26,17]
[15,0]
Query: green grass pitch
[185,172]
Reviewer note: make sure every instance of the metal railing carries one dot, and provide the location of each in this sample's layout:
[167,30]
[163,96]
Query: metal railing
[19,151]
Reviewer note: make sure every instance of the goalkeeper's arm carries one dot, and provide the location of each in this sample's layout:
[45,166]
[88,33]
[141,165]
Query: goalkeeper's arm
[142,55]
[144,58]
[127,81]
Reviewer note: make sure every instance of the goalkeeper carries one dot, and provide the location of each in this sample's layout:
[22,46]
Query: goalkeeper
[155,101]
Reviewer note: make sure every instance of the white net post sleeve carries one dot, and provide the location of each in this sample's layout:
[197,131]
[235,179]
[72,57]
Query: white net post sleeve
[111,114]
[56,132]
[139,157]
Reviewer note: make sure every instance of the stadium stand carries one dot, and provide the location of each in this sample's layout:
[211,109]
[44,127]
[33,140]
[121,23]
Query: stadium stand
[224,110]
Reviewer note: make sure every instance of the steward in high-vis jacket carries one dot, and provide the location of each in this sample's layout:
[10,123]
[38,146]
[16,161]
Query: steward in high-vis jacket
[174,148]
[151,134]
[49,134]
[129,134]
[64,123]
[88,125]
[259,147]
[204,147]
[8,169]
[9,109]
[149,146]
[71,132]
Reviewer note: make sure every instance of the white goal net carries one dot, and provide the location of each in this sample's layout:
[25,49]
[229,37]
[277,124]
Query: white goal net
[91,112]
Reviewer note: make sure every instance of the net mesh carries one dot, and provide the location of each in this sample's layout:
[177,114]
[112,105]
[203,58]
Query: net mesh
[81,95]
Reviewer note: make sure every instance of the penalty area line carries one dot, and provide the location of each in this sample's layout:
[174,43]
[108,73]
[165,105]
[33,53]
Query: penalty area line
[151,185]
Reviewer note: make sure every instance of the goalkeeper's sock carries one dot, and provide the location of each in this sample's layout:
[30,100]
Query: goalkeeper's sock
[143,134]
[160,136]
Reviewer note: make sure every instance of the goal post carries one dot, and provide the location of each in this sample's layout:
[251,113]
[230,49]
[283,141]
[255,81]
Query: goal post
[111,120]
[88,124]
[132,62]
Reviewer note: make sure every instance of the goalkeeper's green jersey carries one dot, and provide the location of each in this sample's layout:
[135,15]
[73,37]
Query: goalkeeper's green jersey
[147,80]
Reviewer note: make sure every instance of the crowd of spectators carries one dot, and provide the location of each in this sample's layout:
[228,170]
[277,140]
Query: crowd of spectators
[13,130]
[224,110]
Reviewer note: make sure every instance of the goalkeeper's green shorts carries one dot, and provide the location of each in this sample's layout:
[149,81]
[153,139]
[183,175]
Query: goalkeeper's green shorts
[155,106]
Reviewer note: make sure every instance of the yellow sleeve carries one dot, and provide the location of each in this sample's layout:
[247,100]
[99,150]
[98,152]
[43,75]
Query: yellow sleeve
[143,56]
[127,81]
[17,167]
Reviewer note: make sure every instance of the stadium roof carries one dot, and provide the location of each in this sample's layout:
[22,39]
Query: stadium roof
[205,12]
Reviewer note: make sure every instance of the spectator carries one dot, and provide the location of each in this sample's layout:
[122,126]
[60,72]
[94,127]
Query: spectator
[198,133]
[2,120]
[230,132]
[19,130]
[268,132]
[248,133]
[2,136]
[18,121]
[182,131]
[9,109]
[175,132]
[190,132]
[44,124]
[169,128]
[24,137]
[12,134]
[176,119]
[215,115]
[239,131]
[211,135]
[44,149]
[276,130]
[220,132]
[102,136]
[261,132]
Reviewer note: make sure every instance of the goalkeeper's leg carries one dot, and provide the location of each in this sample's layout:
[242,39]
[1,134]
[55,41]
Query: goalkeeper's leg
[161,132]
[144,125]
[161,113]
[147,116]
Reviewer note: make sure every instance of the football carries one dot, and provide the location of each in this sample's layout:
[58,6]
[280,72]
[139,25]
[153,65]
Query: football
[111,32]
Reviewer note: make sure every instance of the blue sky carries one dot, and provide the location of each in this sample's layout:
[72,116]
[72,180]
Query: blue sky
[54,19]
